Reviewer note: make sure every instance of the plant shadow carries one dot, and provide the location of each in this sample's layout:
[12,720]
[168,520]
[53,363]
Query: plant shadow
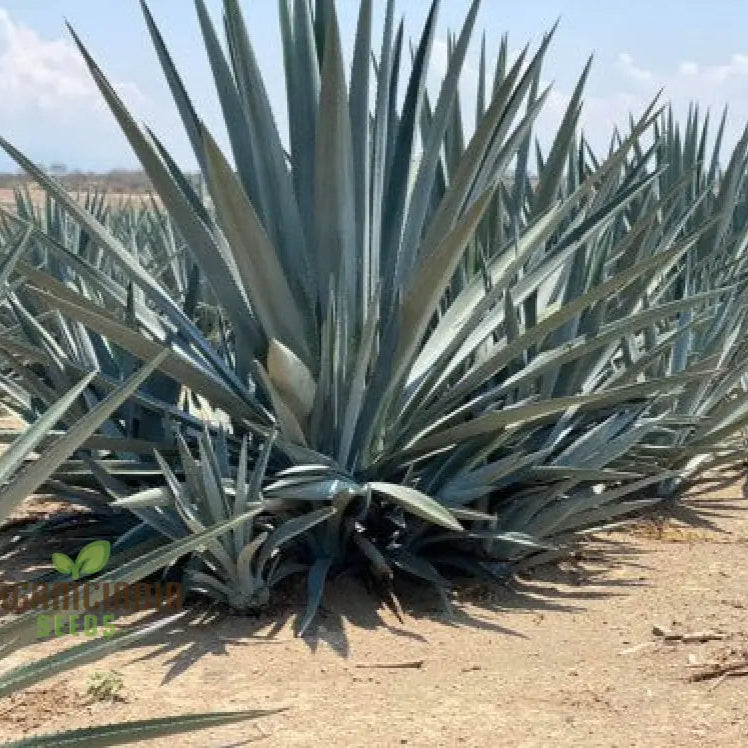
[349,604]
[563,586]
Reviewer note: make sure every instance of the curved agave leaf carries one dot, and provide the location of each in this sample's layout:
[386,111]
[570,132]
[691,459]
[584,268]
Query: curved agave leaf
[14,455]
[315,586]
[81,654]
[288,530]
[417,503]
[123,733]
[20,631]
[33,475]
[291,379]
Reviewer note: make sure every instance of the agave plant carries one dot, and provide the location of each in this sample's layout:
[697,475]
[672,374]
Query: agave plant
[422,357]
[393,344]
[241,569]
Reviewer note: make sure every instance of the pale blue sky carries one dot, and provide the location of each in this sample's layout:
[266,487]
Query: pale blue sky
[48,107]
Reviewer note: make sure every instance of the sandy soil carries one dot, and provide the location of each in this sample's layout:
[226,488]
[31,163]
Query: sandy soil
[566,657]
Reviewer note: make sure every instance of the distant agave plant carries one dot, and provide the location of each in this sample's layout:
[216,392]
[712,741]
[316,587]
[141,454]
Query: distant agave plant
[425,359]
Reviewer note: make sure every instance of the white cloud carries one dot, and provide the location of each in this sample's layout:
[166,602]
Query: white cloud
[625,63]
[688,68]
[46,75]
[45,87]
[39,74]
[623,87]
[629,87]
[703,77]
[438,65]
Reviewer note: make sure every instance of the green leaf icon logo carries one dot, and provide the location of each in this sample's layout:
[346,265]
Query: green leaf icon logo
[64,564]
[92,558]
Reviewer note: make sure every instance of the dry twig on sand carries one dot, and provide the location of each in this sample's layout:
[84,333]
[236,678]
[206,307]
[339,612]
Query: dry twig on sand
[732,669]
[415,664]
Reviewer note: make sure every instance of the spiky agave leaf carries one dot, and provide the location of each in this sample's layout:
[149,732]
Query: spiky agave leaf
[122,733]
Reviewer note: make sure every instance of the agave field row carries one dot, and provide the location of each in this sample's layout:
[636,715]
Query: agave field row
[386,345]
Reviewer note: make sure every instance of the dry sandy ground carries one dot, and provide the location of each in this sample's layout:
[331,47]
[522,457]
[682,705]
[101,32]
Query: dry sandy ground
[565,658]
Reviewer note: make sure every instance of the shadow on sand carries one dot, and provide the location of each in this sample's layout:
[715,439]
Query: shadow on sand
[559,587]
